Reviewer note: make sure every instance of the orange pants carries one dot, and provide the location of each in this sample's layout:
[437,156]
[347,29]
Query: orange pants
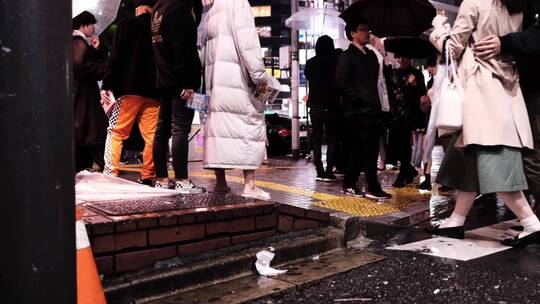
[124,114]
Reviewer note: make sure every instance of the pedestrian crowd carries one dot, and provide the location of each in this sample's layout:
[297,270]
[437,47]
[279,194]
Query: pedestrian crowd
[373,115]
[161,59]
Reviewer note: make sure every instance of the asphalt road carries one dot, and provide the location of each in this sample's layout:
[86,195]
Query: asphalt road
[510,276]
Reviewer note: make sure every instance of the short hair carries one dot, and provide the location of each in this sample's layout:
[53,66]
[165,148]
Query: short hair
[83,19]
[353,24]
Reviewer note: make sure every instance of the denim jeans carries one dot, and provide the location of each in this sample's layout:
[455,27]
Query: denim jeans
[174,120]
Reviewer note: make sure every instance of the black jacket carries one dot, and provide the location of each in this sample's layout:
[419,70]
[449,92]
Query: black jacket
[526,47]
[90,120]
[320,72]
[131,69]
[404,98]
[174,37]
[357,76]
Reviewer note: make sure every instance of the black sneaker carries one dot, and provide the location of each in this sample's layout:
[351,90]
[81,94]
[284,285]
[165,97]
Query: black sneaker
[425,185]
[399,183]
[380,194]
[353,192]
[146,182]
[330,177]
[320,177]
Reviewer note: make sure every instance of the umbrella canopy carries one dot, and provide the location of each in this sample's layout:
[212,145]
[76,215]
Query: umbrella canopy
[320,21]
[393,17]
[410,47]
[104,10]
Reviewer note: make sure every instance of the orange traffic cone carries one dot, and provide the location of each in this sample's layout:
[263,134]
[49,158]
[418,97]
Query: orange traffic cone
[89,289]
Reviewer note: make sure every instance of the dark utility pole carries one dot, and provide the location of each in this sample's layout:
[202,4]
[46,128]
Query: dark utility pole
[37,233]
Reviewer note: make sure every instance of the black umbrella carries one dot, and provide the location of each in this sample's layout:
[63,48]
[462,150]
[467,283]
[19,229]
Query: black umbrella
[393,17]
[411,47]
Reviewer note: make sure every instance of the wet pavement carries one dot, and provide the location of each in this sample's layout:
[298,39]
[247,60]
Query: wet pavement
[510,276]
[294,183]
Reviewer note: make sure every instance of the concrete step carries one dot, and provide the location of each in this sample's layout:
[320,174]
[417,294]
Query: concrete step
[182,274]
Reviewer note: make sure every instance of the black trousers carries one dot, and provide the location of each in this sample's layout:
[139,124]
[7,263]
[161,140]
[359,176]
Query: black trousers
[324,123]
[85,156]
[174,121]
[363,144]
[531,158]
[400,145]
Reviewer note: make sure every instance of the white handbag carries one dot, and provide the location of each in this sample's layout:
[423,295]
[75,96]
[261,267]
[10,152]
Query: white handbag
[450,111]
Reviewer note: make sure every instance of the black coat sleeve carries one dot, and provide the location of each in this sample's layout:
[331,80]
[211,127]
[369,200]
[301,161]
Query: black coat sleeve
[350,89]
[86,62]
[113,75]
[181,31]
[522,43]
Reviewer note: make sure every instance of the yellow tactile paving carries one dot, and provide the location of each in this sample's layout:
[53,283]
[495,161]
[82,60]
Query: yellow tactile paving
[402,198]
[276,186]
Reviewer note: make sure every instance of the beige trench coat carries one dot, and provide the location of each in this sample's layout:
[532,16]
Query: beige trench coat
[494,111]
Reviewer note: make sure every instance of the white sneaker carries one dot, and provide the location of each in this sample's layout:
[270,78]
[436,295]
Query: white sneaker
[188,188]
[162,185]
[262,195]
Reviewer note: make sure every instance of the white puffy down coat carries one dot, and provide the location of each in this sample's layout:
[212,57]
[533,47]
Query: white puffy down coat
[235,133]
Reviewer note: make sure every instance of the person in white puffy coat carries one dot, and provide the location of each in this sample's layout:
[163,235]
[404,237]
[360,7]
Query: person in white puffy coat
[235,131]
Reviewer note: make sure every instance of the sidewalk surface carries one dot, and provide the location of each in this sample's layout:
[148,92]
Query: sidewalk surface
[293,182]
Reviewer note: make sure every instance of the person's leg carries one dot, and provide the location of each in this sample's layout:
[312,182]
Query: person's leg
[148,117]
[419,149]
[97,156]
[121,123]
[182,118]
[404,152]
[531,159]
[83,158]
[317,124]
[331,128]
[382,150]
[464,202]
[415,149]
[221,182]
[352,171]
[250,188]
[369,159]
[161,139]
[517,202]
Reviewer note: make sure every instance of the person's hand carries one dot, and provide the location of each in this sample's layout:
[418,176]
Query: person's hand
[186,94]
[105,99]
[94,41]
[439,21]
[488,47]
[260,90]
[411,80]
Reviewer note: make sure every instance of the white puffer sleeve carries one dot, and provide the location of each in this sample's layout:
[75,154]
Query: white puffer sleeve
[247,41]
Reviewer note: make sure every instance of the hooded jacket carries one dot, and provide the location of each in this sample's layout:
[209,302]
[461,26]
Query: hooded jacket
[131,69]
[320,72]
[174,38]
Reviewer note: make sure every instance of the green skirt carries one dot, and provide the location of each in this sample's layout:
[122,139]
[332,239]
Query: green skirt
[482,169]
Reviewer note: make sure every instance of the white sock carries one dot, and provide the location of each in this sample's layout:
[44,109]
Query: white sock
[455,220]
[530,225]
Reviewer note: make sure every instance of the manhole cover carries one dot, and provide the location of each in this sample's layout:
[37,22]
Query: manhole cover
[162,204]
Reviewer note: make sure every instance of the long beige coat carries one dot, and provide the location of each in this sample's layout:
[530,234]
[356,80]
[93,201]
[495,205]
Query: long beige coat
[494,111]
